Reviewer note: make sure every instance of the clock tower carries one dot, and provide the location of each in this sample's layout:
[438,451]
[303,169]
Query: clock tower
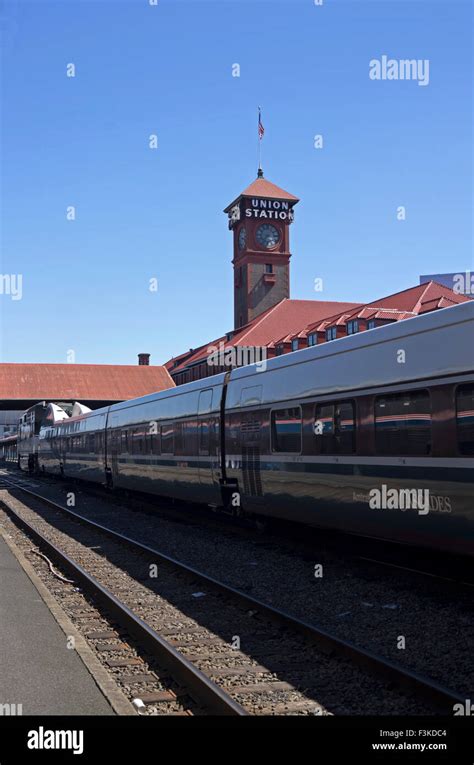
[260,219]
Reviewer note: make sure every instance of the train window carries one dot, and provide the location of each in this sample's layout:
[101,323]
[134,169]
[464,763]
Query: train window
[286,430]
[123,442]
[204,408]
[334,428]
[179,437]
[204,440]
[403,423]
[205,401]
[155,442]
[465,418]
[138,438]
[136,441]
[167,439]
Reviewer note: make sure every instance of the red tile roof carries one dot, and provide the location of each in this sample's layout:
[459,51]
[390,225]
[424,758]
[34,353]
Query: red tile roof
[440,302]
[391,315]
[263,188]
[82,382]
[374,313]
[412,298]
[286,317]
[176,360]
[401,305]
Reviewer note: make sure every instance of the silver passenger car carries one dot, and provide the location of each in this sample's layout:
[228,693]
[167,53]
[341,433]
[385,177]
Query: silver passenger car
[314,436]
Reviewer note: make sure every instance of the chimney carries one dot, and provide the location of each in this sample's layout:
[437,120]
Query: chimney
[143,359]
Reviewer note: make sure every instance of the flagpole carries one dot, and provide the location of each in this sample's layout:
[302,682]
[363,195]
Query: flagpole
[258,143]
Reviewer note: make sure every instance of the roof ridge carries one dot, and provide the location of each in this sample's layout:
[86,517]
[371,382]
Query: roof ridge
[385,297]
[443,287]
[420,299]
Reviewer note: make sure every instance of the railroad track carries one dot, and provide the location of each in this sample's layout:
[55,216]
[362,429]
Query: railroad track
[217,673]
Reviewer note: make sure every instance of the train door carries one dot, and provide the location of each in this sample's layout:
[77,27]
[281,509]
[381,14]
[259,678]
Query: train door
[206,441]
[250,440]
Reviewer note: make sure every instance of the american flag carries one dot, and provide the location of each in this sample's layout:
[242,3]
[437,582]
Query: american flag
[261,129]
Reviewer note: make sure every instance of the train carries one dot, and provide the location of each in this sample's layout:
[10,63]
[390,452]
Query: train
[29,426]
[370,434]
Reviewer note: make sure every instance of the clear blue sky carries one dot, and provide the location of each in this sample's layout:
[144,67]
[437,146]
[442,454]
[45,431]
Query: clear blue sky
[142,69]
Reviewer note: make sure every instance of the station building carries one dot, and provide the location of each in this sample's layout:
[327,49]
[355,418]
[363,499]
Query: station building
[267,322]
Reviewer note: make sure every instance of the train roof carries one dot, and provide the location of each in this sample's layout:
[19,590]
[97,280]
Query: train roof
[179,390]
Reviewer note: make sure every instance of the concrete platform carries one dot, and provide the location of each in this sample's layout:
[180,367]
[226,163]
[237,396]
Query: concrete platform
[37,670]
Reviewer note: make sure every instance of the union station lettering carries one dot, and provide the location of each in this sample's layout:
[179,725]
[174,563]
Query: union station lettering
[269,208]
[261,207]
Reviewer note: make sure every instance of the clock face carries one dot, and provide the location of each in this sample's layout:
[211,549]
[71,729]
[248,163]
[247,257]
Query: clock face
[267,236]
[242,237]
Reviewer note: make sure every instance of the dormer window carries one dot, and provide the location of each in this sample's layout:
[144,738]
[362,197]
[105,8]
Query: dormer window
[331,333]
[294,344]
[312,339]
[352,327]
[371,324]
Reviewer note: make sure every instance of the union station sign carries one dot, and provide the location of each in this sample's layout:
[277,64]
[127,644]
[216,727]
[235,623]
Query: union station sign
[258,207]
[269,208]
